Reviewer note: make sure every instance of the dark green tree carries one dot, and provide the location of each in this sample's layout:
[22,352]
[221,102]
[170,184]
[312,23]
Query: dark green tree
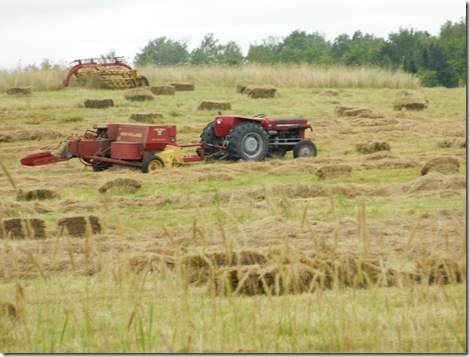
[162,51]
[300,47]
[359,50]
[266,52]
[232,53]
[453,37]
[209,51]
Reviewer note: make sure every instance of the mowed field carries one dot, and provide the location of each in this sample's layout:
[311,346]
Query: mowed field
[361,249]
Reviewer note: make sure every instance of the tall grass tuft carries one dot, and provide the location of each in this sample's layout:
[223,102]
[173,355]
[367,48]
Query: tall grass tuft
[306,76]
[282,75]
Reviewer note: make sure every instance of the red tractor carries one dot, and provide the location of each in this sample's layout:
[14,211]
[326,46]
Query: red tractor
[153,147]
[255,138]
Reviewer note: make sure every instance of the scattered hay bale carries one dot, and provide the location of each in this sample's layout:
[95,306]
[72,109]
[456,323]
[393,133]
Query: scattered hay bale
[121,185]
[98,103]
[163,90]
[150,118]
[260,92]
[206,105]
[38,194]
[199,266]
[23,228]
[435,269]
[139,95]
[444,165]
[7,310]
[436,181]
[183,87]
[79,226]
[245,280]
[410,102]
[18,91]
[341,110]
[333,171]
[362,113]
[371,147]
[329,93]
[154,262]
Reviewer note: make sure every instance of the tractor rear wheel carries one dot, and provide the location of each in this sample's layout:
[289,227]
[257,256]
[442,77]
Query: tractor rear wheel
[305,148]
[208,136]
[152,164]
[248,141]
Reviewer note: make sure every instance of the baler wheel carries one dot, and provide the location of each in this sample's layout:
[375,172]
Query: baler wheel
[99,166]
[152,163]
[305,148]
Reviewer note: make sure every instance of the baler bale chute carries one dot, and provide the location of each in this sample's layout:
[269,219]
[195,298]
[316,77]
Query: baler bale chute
[153,147]
[104,73]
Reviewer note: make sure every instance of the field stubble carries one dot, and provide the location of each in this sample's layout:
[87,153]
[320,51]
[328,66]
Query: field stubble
[240,257]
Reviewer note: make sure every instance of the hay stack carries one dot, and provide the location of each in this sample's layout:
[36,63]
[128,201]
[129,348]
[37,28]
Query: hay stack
[99,103]
[39,194]
[410,102]
[79,226]
[150,118]
[260,92]
[139,95]
[443,165]
[163,90]
[361,112]
[334,171]
[121,185]
[19,91]
[207,105]
[435,269]
[183,87]
[371,147]
[23,228]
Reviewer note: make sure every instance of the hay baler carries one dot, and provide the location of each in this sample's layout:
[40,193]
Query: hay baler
[149,147]
[153,147]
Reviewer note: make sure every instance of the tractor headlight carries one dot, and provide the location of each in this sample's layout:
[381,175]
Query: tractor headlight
[218,121]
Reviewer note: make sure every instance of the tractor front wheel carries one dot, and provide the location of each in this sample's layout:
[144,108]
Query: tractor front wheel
[152,164]
[248,141]
[305,148]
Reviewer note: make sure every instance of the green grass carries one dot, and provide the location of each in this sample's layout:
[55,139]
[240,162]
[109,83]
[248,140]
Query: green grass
[65,306]
[99,315]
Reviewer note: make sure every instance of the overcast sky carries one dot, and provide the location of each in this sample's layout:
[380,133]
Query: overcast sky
[65,30]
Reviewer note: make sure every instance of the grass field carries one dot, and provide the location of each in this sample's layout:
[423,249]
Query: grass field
[240,256]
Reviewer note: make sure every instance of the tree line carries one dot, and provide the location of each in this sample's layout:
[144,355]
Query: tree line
[436,60]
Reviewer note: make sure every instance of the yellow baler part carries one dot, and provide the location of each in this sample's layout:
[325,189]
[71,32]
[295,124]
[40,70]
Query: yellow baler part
[171,155]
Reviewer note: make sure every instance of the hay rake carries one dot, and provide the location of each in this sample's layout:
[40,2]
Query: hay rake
[108,73]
